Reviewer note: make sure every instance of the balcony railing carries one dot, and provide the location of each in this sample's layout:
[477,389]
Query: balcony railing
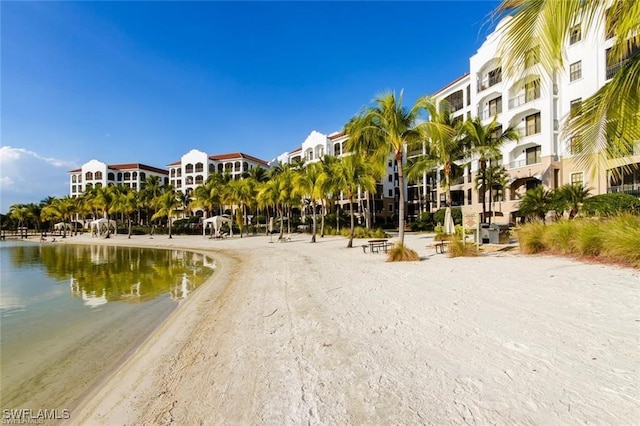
[523,163]
[487,82]
[529,131]
[489,112]
[631,189]
[523,99]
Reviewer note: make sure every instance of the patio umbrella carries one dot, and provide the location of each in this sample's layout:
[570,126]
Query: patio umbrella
[449,225]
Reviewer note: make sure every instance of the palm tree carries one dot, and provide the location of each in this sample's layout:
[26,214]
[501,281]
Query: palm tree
[607,124]
[269,195]
[238,192]
[62,209]
[125,202]
[309,182]
[284,174]
[20,213]
[329,192]
[150,189]
[443,149]
[573,195]
[388,129]
[347,175]
[166,205]
[537,202]
[485,142]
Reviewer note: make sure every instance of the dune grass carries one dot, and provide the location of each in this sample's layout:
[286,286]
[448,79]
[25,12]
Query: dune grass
[613,239]
[459,248]
[401,253]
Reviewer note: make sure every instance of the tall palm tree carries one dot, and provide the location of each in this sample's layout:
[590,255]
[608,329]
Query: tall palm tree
[166,205]
[269,195]
[20,213]
[329,191]
[309,182]
[485,142]
[62,209]
[443,149]
[150,189]
[607,124]
[387,128]
[238,192]
[126,202]
[349,174]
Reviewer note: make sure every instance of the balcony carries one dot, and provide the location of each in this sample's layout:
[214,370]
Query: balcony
[488,81]
[631,189]
[489,112]
[523,163]
[523,98]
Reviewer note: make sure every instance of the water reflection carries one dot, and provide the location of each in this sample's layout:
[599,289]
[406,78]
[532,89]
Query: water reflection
[100,274]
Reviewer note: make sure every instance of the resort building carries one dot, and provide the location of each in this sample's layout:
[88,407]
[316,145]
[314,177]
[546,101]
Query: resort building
[193,169]
[376,207]
[537,105]
[95,174]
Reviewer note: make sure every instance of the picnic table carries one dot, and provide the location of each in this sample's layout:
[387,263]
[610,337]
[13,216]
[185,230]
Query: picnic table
[375,246]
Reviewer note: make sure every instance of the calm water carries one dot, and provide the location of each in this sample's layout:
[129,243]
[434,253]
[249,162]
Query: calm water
[70,314]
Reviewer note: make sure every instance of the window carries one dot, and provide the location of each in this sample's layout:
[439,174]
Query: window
[199,167]
[127,176]
[173,172]
[212,168]
[532,90]
[495,76]
[98,176]
[576,105]
[575,71]
[199,179]
[577,178]
[495,106]
[533,155]
[391,193]
[468,95]
[575,145]
[73,188]
[88,176]
[456,101]
[575,34]
[390,178]
[73,179]
[110,176]
[390,207]
[143,176]
[532,57]
[533,124]
[188,168]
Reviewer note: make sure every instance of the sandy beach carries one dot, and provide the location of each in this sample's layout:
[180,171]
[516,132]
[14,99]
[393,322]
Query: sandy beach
[302,333]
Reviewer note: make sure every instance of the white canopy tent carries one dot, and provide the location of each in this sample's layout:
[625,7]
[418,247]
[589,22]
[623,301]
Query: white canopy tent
[102,227]
[216,222]
[63,226]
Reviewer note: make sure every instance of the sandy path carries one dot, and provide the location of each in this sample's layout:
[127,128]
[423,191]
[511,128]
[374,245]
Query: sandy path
[293,333]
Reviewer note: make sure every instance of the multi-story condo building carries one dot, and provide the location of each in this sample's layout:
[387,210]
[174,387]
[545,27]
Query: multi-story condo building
[381,205]
[95,174]
[193,169]
[537,105]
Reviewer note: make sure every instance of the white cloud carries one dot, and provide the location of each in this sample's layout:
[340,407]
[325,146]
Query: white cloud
[27,177]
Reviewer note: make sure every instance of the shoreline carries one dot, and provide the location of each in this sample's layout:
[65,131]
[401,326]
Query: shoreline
[298,332]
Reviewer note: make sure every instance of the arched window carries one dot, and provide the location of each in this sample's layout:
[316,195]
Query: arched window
[212,168]
[79,178]
[98,185]
[245,166]
[188,168]
[88,176]
[98,175]
[199,179]
[173,172]
[119,176]
[189,180]
[220,168]
[89,186]
[143,176]
[237,166]
[199,167]
[73,179]
[228,166]
[111,176]
[179,173]
[127,176]
[336,149]
[134,175]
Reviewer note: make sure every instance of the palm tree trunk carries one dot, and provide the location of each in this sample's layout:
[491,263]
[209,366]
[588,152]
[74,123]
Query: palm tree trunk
[401,206]
[352,214]
[313,206]
[483,174]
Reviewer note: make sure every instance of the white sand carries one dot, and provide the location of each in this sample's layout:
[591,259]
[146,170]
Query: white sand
[293,333]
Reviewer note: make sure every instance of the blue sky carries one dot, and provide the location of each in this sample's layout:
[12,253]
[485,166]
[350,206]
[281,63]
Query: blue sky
[148,81]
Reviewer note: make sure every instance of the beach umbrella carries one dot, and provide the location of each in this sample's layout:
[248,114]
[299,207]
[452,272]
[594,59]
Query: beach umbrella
[449,225]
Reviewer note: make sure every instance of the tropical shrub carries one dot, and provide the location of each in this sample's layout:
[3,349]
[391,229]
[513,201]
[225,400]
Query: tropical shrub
[610,204]
[360,232]
[456,213]
[531,237]
[424,222]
